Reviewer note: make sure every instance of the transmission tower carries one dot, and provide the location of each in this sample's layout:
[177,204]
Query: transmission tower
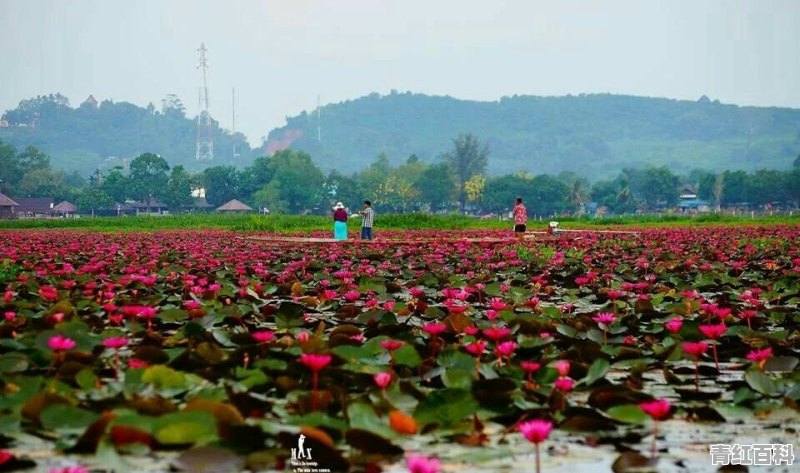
[205,143]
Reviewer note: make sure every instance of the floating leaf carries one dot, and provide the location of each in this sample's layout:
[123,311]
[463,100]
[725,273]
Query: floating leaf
[761,382]
[628,413]
[446,407]
[185,428]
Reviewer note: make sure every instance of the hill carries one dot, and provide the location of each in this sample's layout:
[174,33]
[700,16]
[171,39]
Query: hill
[592,135]
[102,135]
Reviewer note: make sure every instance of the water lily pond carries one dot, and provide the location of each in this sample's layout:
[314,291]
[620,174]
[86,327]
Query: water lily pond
[208,351]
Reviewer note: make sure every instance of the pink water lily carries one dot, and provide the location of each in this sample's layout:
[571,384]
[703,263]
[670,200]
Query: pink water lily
[536,431]
[60,343]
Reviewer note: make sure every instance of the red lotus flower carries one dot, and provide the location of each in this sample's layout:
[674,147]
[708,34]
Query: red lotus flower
[136,363]
[115,343]
[476,348]
[562,367]
[48,293]
[606,318]
[674,324]
[530,366]
[506,349]
[422,464]
[9,315]
[564,384]
[713,331]
[536,431]
[496,333]
[497,304]
[434,328]
[658,409]
[760,357]
[695,349]
[70,469]
[5,456]
[315,362]
[383,379]
[391,345]
[59,343]
[263,336]
[352,296]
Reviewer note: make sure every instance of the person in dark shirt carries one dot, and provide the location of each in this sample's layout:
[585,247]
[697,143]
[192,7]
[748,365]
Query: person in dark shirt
[339,222]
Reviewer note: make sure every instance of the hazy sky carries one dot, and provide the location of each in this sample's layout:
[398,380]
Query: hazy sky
[281,54]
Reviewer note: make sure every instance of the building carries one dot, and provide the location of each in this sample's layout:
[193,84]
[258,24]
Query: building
[65,209]
[234,206]
[34,207]
[8,208]
[90,102]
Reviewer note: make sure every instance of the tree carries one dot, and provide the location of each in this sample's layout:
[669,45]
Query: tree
[220,183]
[796,163]
[737,188]
[548,196]
[42,183]
[474,188]
[342,189]
[298,181]
[179,189]
[435,186]
[92,199]
[467,159]
[10,172]
[500,192]
[148,176]
[117,185]
[269,197]
[371,178]
[654,185]
[172,106]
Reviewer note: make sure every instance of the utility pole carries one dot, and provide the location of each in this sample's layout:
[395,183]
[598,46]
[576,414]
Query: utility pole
[233,120]
[205,143]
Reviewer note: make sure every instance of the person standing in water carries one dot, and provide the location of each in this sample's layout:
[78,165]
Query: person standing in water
[520,219]
[339,222]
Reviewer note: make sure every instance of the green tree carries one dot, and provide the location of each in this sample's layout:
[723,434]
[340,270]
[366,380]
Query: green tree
[221,184]
[501,192]
[117,185]
[435,186]
[371,178]
[92,199]
[179,189]
[148,176]
[297,180]
[10,171]
[737,188]
[42,183]
[467,158]
[654,185]
[548,196]
[269,197]
[344,189]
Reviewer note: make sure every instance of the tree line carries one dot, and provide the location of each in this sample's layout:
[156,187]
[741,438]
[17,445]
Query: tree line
[291,182]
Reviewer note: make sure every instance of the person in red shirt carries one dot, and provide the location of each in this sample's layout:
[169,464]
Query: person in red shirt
[339,222]
[520,219]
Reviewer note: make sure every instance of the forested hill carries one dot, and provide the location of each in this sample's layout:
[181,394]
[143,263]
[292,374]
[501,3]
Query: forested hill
[593,135]
[109,133]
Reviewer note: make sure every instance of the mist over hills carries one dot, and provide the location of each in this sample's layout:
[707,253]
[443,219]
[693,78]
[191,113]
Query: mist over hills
[592,135]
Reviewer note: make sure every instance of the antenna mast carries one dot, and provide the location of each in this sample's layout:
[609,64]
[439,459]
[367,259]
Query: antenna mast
[205,143]
[233,119]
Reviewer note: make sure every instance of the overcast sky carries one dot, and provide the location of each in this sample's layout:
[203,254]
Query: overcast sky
[280,55]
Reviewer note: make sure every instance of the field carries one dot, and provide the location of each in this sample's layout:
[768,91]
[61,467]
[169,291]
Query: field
[203,350]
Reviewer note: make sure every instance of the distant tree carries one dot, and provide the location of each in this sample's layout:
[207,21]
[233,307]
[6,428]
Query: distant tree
[718,190]
[179,190]
[42,183]
[467,158]
[614,194]
[654,185]
[371,178]
[221,184]
[766,186]
[116,185]
[737,187]
[435,186]
[172,106]
[474,188]
[792,180]
[10,172]
[548,196]
[796,163]
[92,199]
[501,192]
[148,176]
[342,189]
[269,197]
[32,159]
[298,181]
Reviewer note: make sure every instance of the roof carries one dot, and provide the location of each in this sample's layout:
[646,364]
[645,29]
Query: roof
[65,207]
[7,202]
[201,203]
[35,204]
[234,205]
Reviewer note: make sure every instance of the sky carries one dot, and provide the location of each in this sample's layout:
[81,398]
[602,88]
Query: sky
[281,55]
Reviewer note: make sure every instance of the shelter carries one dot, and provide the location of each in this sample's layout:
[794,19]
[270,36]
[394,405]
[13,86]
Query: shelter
[234,206]
[35,206]
[7,207]
[65,209]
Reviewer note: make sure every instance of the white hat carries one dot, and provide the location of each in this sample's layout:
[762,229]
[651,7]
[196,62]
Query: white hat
[338,205]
